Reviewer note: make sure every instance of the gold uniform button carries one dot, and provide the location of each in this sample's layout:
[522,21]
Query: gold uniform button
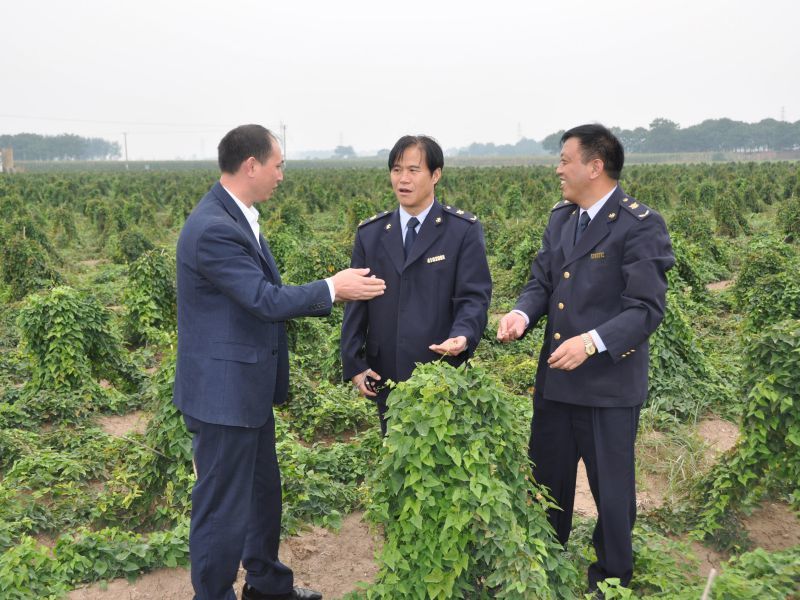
[557,336]
[566,274]
[560,306]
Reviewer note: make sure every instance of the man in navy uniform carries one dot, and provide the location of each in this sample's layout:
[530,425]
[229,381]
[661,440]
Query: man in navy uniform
[433,259]
[233,365]
[600,278]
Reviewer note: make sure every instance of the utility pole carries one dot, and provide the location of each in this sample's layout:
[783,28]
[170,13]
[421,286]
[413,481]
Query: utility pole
[783,113]
[125,138]
[283,138]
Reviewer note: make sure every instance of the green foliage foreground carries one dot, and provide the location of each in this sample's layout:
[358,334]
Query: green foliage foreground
[454,494]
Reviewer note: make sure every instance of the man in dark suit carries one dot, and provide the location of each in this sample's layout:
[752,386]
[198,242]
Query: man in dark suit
[433,259]
[600,278]
[233,365]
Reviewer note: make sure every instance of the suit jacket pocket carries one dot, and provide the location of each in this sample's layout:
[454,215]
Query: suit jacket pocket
[233,351]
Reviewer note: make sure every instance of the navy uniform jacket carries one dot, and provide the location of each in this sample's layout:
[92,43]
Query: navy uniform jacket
[613,281]
[441,291]
[233,360]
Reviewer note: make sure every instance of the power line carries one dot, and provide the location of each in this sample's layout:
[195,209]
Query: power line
[149,124]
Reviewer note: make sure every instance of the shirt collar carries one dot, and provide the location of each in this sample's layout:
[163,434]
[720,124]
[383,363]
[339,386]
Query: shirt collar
[404,216]
[250,213]
[595,208]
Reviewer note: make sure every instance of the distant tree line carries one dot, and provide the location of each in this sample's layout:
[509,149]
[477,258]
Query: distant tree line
[524,147]
[712,135]
[31,146]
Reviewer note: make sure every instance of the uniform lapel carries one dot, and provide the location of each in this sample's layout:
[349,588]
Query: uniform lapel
[598,227]
[567,236]
[428,233]
[392,240]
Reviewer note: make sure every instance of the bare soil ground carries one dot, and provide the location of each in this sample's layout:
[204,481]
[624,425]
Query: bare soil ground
[330,562]
[334,562]
[719,285]
[122,425]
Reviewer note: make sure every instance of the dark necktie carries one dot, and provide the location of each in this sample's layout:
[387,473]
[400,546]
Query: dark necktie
[411,235]
[583,223]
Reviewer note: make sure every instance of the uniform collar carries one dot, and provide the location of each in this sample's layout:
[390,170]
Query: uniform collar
[597,206]
[404,216]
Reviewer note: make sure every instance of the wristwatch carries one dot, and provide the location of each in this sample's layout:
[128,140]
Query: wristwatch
[588,344]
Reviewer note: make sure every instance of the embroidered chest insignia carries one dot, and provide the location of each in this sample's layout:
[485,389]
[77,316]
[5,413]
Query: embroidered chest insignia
[433,259]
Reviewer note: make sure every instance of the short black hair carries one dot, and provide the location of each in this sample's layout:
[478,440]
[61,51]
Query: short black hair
[598,142]
[434,157]
[241,143]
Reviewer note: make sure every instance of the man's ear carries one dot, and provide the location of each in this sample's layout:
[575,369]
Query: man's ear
[437,175]
[597,168]
[248,166]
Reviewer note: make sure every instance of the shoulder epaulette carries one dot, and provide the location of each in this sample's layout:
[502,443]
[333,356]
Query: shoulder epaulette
[375,217]
[561,204]
[637,209]
[467,216]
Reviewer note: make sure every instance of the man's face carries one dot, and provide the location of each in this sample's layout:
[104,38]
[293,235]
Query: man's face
[267,175]
[412,182]
[575,175]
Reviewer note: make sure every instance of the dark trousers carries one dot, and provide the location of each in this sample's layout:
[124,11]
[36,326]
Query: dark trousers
[236,510]
[380,403]
[561,434]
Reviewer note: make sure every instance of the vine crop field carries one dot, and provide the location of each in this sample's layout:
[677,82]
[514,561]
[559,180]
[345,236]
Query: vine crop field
[87,331]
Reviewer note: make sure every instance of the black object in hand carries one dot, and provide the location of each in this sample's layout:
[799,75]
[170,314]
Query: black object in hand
[371,384]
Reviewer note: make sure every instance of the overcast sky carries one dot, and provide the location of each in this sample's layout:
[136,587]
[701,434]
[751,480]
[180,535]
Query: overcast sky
[176,75]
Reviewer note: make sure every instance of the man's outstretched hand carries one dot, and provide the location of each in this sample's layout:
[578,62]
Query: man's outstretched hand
[356,284]
[450,347]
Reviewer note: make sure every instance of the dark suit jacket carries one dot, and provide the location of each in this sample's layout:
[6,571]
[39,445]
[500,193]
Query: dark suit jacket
[233,361]
[441,291]
[613,281]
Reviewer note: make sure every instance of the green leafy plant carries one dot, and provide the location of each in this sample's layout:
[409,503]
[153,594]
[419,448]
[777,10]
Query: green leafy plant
[454,494]
[765,255]
[326,408]
[26,267]
[28,571]
[789,218]
[70,342]
[150,298]
[729,215]
[128,245]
